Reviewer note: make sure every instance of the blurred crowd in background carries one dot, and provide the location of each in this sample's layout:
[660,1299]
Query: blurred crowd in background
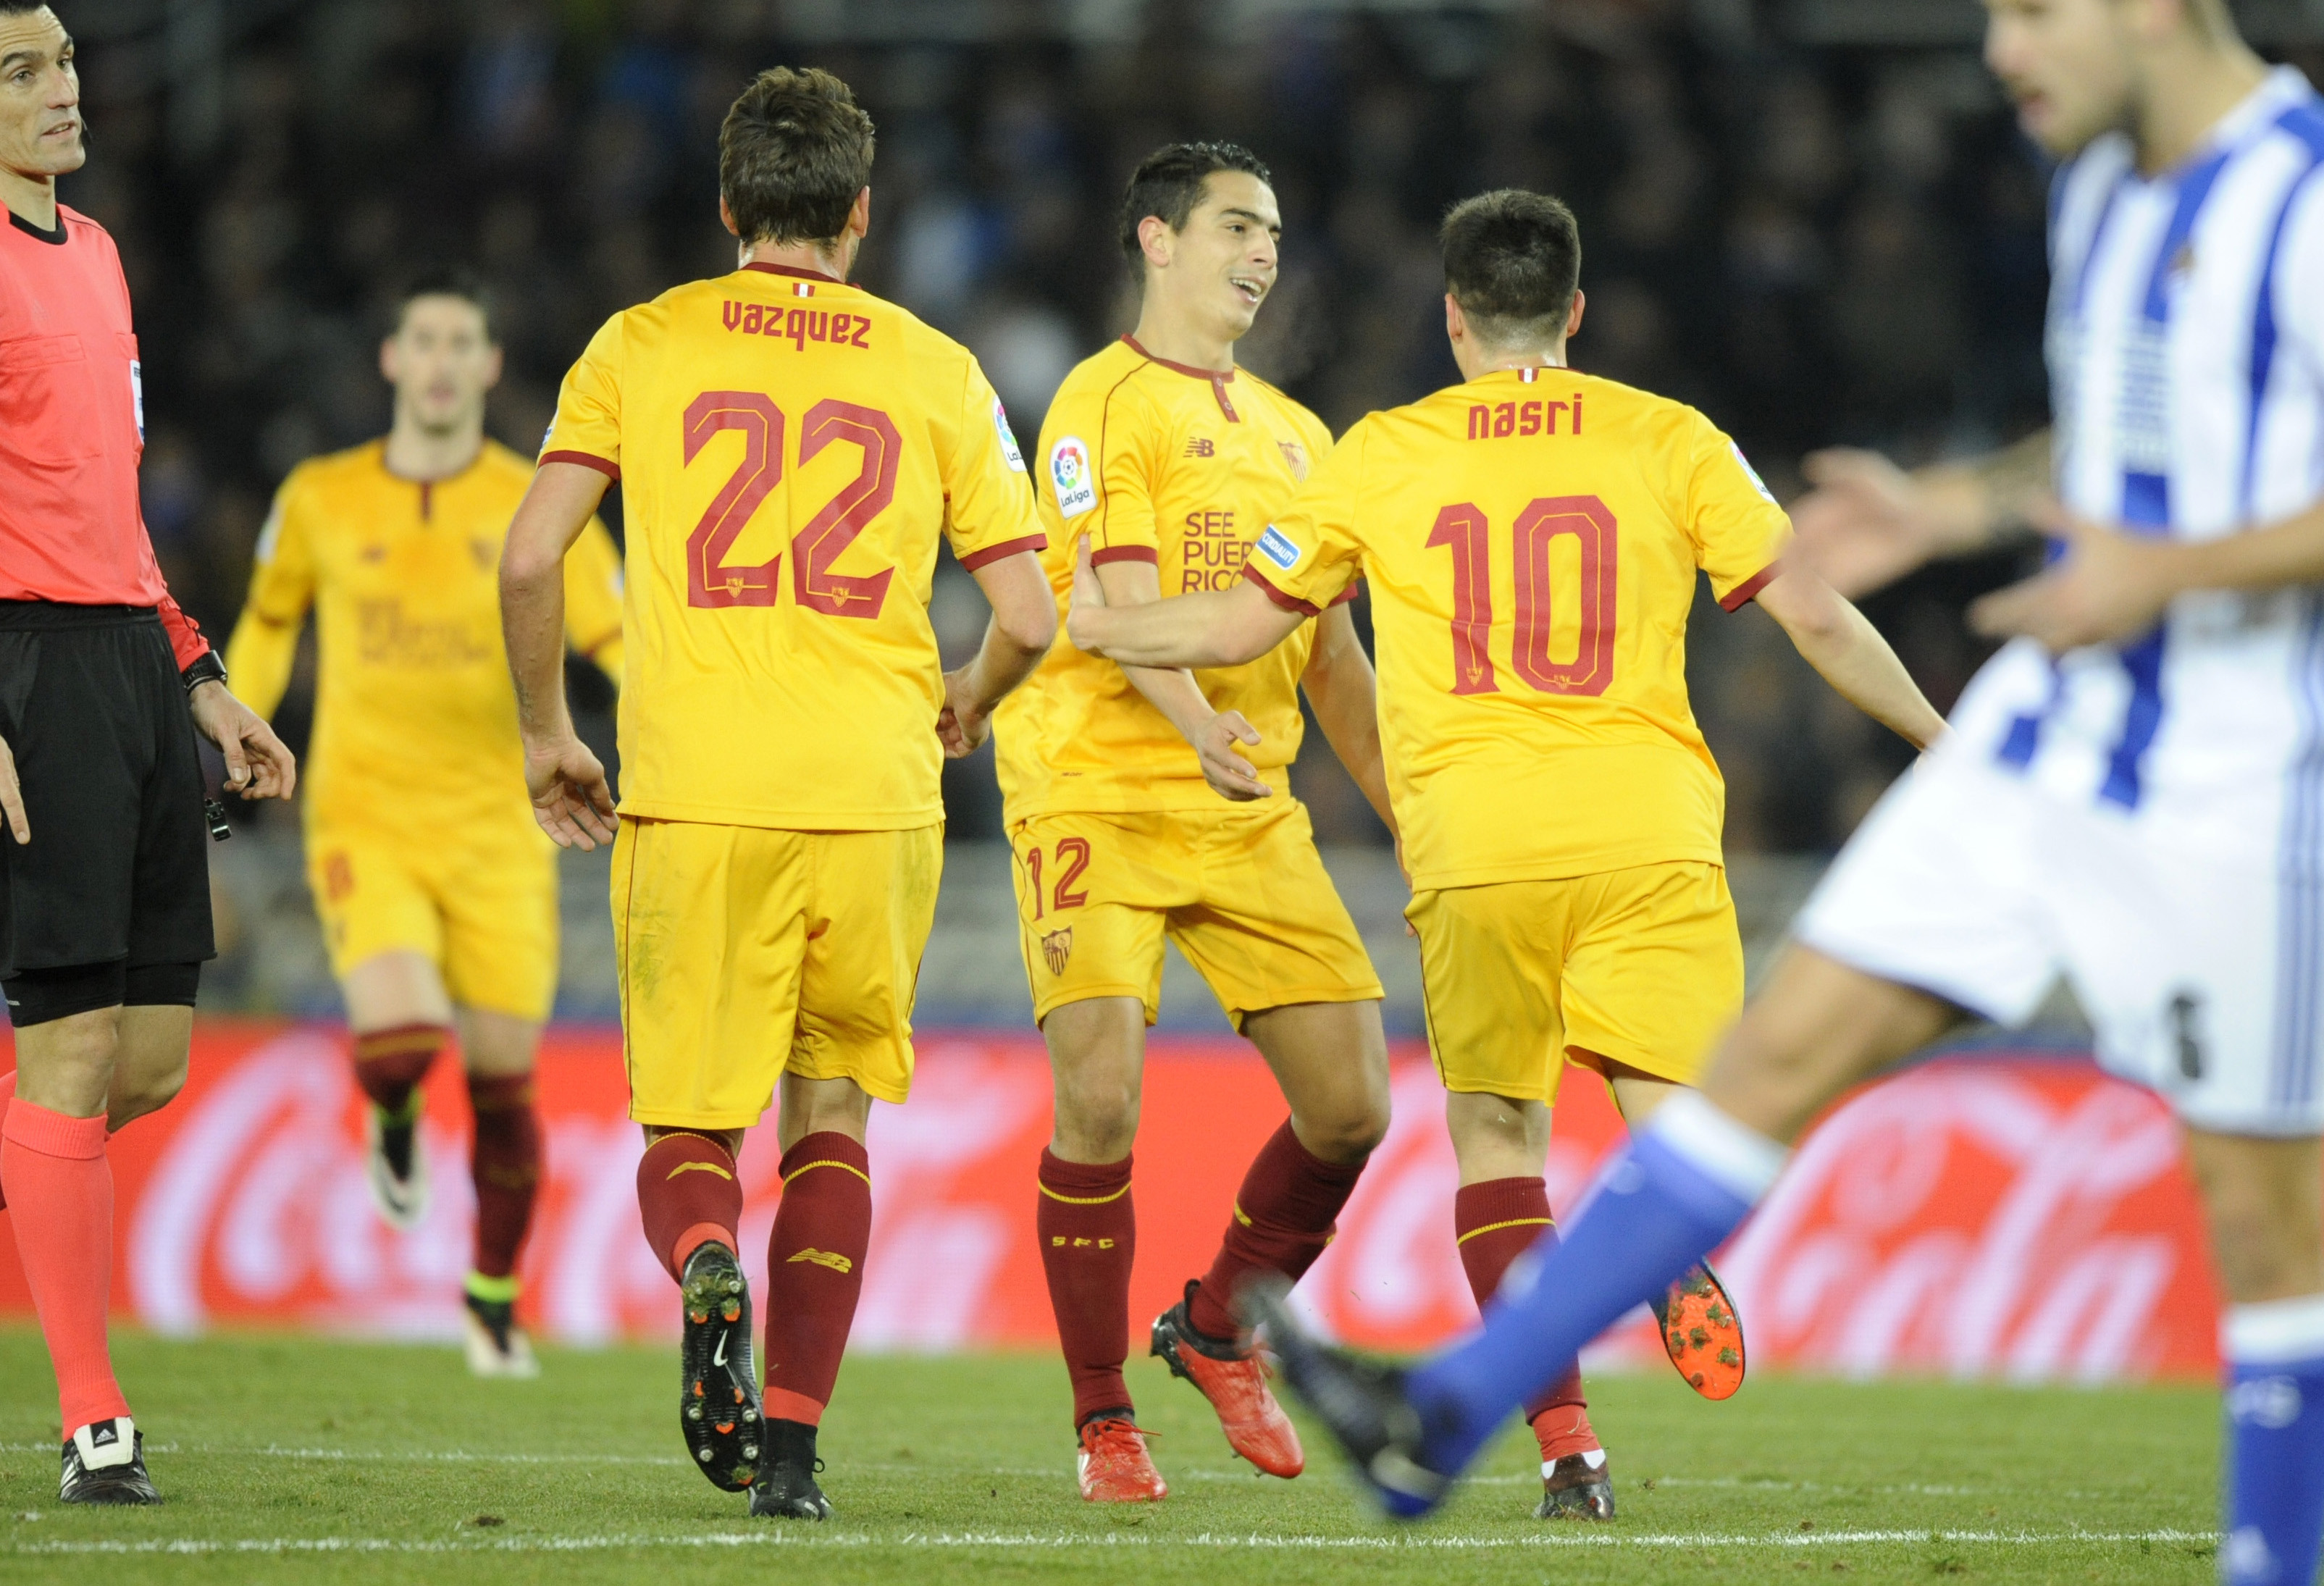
[1813,243]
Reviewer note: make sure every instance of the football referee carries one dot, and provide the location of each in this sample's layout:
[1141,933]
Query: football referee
[104,901]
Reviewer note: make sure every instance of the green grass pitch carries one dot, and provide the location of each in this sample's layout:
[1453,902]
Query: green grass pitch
[292,1459]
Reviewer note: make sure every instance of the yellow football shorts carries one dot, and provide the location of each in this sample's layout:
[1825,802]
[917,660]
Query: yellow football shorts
[479,899]
[1643,966]
[747,954]
[1239,889]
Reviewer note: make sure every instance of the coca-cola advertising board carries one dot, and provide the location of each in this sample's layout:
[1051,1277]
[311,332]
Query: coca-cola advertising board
[2013,1215]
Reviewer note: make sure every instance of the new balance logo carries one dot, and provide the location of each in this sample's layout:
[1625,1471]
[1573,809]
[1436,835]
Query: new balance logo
[1202,446]
[837,1263]
[700,1168]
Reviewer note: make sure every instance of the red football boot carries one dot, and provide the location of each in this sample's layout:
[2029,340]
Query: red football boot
[1114,1465]
[1701,1333]
[1230,1377]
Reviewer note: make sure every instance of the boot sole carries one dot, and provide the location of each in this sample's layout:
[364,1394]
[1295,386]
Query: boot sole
[718,1403]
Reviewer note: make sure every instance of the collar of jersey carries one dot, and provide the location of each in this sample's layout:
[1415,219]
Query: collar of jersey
[800,274]
[55,238]
[1185,369]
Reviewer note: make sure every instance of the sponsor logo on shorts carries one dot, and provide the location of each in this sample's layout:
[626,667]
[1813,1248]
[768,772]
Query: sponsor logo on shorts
[1070,476]
[1056,947]
[837,1263]
[1276,548]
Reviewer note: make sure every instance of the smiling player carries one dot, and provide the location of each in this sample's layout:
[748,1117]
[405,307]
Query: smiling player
[438,895]
[1146,804]
[1532,538]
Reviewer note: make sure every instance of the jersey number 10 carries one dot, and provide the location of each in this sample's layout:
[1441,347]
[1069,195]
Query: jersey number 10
[712,581]
[1463,529]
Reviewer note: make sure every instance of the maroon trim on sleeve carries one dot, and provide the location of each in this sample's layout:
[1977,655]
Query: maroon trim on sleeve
[1125,553]
[1347,596]
[1743,593]
[1289,603]
[1007,547]
[610,470]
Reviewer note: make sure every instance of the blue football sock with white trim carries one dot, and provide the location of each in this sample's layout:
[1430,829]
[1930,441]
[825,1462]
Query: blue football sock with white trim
[2274,1353]
[1681,1187]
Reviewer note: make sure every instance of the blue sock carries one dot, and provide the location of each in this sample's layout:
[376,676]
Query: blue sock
[1681,1187]
[2275,1441]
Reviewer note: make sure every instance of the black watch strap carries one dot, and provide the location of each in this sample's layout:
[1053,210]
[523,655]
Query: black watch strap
[205,668]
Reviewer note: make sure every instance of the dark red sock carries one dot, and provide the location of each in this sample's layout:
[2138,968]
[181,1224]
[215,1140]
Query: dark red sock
[814,1271]
[686,1194]
[390,1064]
[505,1163]
[1284,1216]
[1496,1222]
[1088,1228]
[64,1239]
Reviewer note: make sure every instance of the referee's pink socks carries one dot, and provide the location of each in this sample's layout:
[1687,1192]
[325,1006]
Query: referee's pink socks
[7,1094]
[62,1188]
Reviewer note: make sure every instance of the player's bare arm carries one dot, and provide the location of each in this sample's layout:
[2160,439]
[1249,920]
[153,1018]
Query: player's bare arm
[258,764]
[1024,625]
[570,797]
[1172,691]
[1215,628]
[1345,693]
[2113,584]
[1867,523]
[1834,637]
[12,797]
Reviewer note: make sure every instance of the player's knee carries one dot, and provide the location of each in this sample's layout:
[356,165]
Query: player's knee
[1097,1116]
[134,1096]
[2263,1253]
[1348,1133]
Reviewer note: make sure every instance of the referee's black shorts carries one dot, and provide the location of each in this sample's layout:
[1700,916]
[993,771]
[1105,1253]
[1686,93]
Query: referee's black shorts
[109,904]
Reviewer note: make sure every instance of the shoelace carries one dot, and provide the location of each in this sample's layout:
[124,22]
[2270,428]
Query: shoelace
[1113,1437]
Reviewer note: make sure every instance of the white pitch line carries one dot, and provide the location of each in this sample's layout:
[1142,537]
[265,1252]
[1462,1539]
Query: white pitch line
[1419,1542]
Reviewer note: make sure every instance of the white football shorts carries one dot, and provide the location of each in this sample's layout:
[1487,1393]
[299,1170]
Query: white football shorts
[2204,978]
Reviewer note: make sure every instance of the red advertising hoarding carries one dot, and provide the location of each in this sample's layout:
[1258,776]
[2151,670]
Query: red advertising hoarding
[2016,1216]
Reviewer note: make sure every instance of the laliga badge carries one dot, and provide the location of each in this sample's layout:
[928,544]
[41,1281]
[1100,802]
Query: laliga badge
[1071,477]
[1016,458]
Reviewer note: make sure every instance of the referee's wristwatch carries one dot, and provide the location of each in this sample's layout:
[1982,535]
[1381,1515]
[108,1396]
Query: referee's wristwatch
[205,667]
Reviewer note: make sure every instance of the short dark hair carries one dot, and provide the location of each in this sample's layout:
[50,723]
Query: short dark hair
[445,281]
[1169,183]
[793,152]
[1512,260]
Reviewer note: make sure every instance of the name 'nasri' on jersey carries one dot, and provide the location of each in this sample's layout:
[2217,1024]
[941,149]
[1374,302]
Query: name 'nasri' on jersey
[2186,354]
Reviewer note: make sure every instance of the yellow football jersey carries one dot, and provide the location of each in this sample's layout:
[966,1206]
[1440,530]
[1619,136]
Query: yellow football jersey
[788,447]
[413,703]
[1179,466]
[1531,540]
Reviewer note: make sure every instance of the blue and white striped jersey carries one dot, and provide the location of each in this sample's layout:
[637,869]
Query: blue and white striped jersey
[2186,354]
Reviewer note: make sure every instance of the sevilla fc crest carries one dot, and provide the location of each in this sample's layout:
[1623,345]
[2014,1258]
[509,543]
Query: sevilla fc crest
[1056,947]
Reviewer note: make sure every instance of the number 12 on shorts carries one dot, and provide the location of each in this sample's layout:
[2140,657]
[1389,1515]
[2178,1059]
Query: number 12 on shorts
[1073,856]
[1463,529]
